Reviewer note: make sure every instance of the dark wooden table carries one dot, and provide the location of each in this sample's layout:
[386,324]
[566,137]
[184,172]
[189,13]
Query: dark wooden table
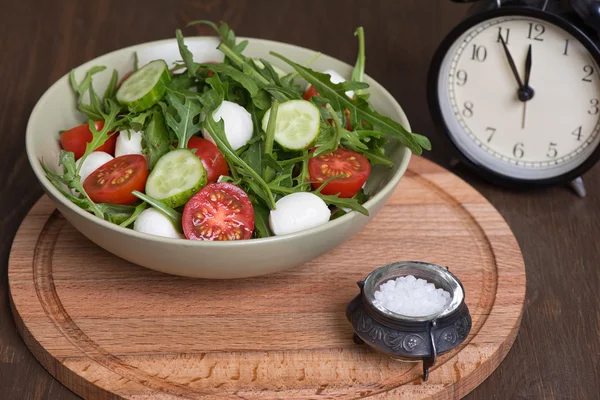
[557,352]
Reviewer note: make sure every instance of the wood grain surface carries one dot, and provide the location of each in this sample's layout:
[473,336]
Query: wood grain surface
[556,354]
[105,327]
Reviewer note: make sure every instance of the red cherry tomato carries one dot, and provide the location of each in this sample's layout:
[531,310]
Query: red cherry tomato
[76,138]
[220,211]
[354,166]
[114,181]
[211,157]
[311,91]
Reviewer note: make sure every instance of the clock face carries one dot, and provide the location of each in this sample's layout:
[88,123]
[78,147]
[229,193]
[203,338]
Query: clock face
[552,129]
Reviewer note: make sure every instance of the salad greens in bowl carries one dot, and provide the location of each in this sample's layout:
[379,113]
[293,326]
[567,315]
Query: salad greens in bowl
[219,157]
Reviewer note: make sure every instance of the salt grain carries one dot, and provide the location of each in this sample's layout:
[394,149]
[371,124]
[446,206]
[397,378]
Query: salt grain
[407,295]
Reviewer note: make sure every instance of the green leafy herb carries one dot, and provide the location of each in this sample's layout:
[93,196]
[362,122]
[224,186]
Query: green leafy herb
[261,220]
[100,137]
[226,35]
[111,89]
[217,132]
[70,179]
[167,211]
[246,81]
[269,139]
[156,138]
[358,74]
[359,108]
[182,116]
[186,54]
[134,215]
[91,110]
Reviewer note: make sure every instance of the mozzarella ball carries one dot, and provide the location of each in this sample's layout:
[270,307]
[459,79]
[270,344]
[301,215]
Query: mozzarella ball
[128,142]
[297,212]
[238,124]
[154,222]
[95,160]
[334,77]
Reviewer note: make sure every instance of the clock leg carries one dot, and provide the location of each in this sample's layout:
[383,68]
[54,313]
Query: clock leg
[578,186]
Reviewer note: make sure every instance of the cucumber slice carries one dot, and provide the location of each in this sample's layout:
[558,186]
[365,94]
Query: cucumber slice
[145,87]
[177,176]
[297,126]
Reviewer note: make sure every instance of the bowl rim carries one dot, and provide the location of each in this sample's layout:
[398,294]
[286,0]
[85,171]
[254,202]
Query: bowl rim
[54,193]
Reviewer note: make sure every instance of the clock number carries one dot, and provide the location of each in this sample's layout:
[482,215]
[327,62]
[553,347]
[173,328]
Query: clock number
[479,53]
[594,107]
[589,70]
[461,76]
[537,30]
[577,133]
[491,131]
[566,53]
[468,110]
[502,35]
[552,151]
[518,150]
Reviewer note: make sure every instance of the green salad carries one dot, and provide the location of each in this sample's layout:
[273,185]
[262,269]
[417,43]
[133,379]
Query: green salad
[227,150]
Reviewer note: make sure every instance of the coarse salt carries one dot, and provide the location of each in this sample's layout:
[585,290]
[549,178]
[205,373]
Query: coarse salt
[407,295]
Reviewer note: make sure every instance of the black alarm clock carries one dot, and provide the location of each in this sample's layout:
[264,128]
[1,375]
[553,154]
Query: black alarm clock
[516,86]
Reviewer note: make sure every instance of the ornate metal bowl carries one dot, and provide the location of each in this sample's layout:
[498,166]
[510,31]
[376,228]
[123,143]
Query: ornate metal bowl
[410,338]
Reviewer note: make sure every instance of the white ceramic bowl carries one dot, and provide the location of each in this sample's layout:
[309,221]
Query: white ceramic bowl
[236,259]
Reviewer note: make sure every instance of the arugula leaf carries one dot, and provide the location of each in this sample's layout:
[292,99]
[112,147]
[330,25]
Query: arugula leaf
[136,64]
[70,178]
[167,211]
[116,213]
[137,121]
[269,139]
[181,82]
[185,121]
[243,64]
[358,74]
[156,138]
[100,137]
[359,108]
[217,132]
[80,89]
[186,55]
[327,141]
[134,215]
[111,89]
[226,35]
[261,219]
[238,76]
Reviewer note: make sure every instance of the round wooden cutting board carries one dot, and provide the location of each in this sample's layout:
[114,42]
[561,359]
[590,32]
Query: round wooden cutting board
[106,328]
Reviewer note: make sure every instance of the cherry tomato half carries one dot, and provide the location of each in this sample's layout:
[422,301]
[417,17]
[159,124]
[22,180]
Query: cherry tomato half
[76,138]
[114,181]
[211,157]
[354,166]
[311,91]
[220,211]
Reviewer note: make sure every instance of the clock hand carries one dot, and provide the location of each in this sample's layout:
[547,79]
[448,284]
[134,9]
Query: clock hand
[528,64]
[525,93]
[511,62]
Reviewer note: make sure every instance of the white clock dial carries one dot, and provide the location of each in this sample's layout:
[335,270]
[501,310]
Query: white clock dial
[547,136]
